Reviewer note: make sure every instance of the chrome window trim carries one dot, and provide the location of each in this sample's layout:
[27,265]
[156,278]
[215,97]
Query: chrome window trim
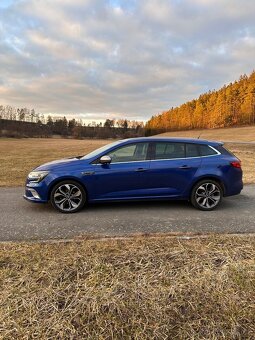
[169,159]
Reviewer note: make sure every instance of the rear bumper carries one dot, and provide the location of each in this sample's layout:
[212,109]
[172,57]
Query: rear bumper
[234,188]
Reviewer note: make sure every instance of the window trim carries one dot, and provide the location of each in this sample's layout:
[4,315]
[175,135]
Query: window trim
[149,154]
[217,153]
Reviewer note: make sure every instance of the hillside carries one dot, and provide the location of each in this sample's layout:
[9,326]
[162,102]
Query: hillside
[232,105]
[236,134]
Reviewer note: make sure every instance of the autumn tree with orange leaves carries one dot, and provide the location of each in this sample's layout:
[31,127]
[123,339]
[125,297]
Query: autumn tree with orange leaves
[232,105]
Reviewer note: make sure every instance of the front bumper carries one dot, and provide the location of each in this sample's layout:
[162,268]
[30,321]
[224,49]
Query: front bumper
[32,195]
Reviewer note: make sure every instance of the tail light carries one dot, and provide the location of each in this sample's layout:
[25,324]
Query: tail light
[236,164]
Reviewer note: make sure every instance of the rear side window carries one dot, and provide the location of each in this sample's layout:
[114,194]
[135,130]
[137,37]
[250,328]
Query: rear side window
[169,150]
[192,150]
[205,150]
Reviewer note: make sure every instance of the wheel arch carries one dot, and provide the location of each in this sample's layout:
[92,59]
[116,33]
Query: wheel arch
[59,180]
[209,177]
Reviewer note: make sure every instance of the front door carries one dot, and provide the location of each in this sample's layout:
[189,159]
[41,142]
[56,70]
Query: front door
[126,177]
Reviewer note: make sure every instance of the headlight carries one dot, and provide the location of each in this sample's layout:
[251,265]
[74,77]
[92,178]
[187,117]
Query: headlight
[37,176]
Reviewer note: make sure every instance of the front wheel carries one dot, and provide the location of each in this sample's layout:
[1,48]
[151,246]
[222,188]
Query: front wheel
[68,196]
[206,195]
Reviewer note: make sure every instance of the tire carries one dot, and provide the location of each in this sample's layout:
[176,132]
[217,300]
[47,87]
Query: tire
[68,197]
[206,195]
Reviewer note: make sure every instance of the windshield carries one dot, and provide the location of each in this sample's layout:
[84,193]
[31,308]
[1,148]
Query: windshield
[100,150]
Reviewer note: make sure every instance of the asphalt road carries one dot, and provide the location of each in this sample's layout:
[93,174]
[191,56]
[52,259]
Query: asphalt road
[22,220]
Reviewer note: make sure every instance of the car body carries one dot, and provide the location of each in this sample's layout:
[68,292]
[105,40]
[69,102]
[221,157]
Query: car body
[139,169]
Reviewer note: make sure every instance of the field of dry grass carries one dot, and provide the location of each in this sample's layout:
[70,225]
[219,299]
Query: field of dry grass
[141,288]
[242,134]
[19,156]
[246,152]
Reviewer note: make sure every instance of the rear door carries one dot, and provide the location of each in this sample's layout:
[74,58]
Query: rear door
[173,166]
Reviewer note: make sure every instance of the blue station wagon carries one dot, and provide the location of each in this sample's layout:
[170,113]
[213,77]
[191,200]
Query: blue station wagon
[146,168]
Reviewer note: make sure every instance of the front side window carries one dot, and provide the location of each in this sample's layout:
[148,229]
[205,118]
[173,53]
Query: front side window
[98,151]
[169,150]
[129,153]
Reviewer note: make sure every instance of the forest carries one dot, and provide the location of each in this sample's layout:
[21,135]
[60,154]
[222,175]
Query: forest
[232,105]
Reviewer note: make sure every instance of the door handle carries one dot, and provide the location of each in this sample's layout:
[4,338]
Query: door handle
[184,167]
[140,169]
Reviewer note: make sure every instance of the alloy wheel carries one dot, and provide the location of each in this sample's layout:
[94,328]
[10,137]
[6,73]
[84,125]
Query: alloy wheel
[68,197]
[208,195]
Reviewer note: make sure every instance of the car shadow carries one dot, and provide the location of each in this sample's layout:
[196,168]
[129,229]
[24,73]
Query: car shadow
[135,206]
[138,205]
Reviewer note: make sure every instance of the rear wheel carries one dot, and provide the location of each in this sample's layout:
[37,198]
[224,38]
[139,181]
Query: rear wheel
[68,196]
[206,195]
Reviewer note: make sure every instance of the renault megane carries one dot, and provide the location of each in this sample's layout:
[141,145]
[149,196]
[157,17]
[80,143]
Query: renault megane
[200,171]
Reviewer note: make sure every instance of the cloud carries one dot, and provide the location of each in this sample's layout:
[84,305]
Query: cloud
[124,58]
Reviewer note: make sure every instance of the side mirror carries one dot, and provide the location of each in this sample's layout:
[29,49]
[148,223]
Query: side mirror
[105,160]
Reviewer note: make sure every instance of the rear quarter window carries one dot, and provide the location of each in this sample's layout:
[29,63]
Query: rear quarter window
[205,150]
[224,151]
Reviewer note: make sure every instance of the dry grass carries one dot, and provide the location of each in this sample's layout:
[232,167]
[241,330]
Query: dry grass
[161,288]
[246,152]
[19,156]
[242,134]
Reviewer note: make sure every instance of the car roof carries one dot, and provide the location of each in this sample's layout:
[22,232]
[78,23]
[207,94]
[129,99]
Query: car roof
[172,139]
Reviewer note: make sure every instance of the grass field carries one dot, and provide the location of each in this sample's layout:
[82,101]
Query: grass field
[246,152]
[242,134]
[141,288]
[19,156]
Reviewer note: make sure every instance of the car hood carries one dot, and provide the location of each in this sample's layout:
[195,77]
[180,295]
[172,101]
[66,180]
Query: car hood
[60,163]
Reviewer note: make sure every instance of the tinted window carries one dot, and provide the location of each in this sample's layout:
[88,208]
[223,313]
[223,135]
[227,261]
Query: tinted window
[224,151]
[205,150]
[129,153]
[192,150]
[169,150]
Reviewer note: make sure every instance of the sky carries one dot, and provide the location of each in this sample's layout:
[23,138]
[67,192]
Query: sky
[120,59]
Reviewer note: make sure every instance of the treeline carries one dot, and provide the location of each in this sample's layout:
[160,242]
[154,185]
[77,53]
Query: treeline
[31,124]
[24,114]
[18,129]
[232,105]
[109,129]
